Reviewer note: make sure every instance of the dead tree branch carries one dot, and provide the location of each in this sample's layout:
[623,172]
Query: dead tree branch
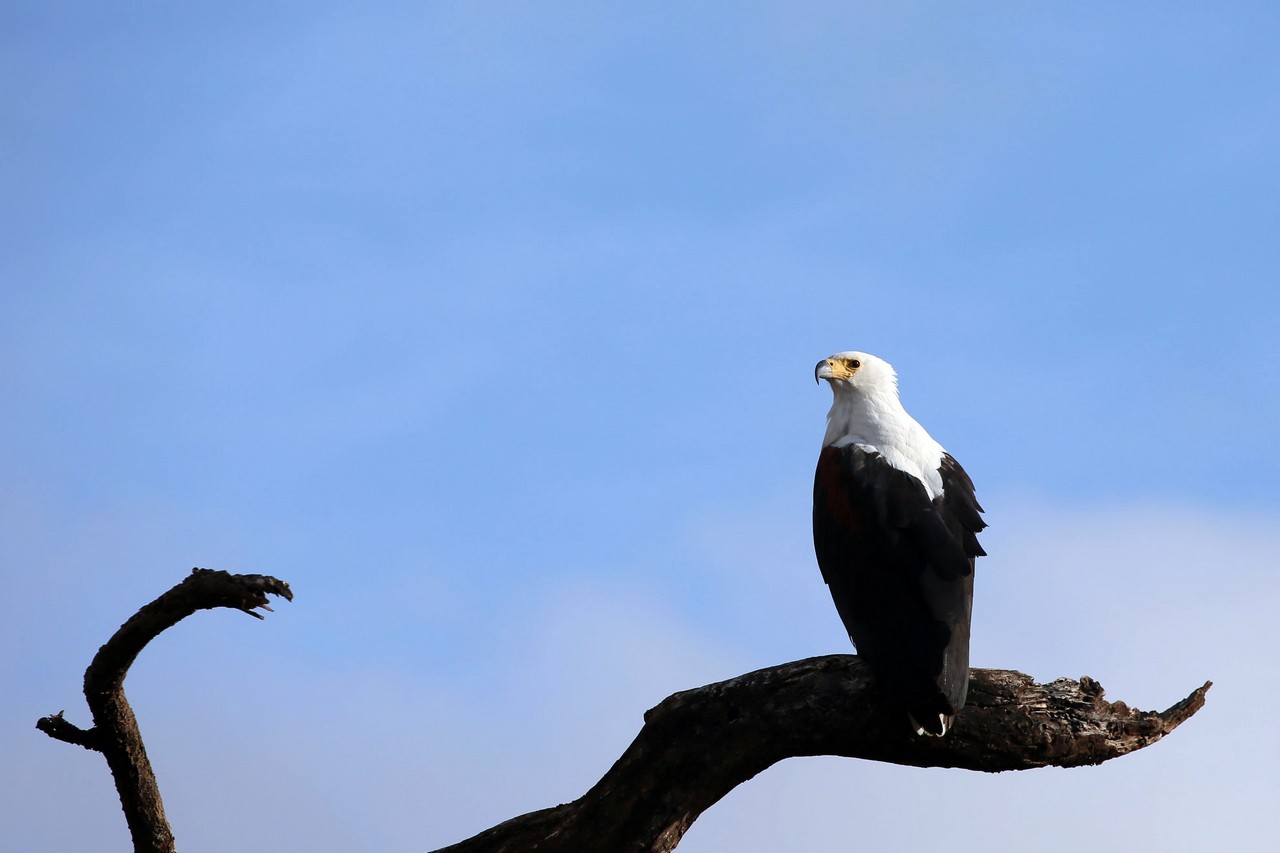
[115,730]
[698,745]
[694,747]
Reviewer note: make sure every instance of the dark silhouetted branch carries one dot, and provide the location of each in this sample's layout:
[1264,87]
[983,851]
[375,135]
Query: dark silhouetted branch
[698,745]
[115,730]
[694,747]
[58,728]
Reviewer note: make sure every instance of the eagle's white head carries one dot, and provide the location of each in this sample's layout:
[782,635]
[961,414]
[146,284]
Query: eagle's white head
[858,373]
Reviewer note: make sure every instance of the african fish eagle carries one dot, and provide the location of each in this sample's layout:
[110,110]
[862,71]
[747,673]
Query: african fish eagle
[895,526]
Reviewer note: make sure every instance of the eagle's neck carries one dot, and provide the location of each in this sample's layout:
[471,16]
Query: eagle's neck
[875,418]
[877,421]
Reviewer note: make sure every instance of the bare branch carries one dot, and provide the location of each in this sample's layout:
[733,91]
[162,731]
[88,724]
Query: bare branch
[58,728]
[698,745]
[115,731]
[694,747]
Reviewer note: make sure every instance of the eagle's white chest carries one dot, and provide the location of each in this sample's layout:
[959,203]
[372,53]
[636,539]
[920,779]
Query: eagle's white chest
[879,423]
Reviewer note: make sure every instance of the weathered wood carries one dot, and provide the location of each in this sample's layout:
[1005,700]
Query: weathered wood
[698,745]
[115,729]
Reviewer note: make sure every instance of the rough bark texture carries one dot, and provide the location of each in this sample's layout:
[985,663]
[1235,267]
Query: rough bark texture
[115,730]
[698,745]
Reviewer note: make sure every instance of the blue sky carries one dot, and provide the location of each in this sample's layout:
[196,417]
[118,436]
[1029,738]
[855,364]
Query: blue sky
[491,329]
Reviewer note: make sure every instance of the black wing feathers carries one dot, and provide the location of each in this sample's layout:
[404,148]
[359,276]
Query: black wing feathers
[900,569]
[897,504]
[961,503]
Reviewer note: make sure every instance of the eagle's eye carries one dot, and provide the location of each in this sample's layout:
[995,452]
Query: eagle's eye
[854,363]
